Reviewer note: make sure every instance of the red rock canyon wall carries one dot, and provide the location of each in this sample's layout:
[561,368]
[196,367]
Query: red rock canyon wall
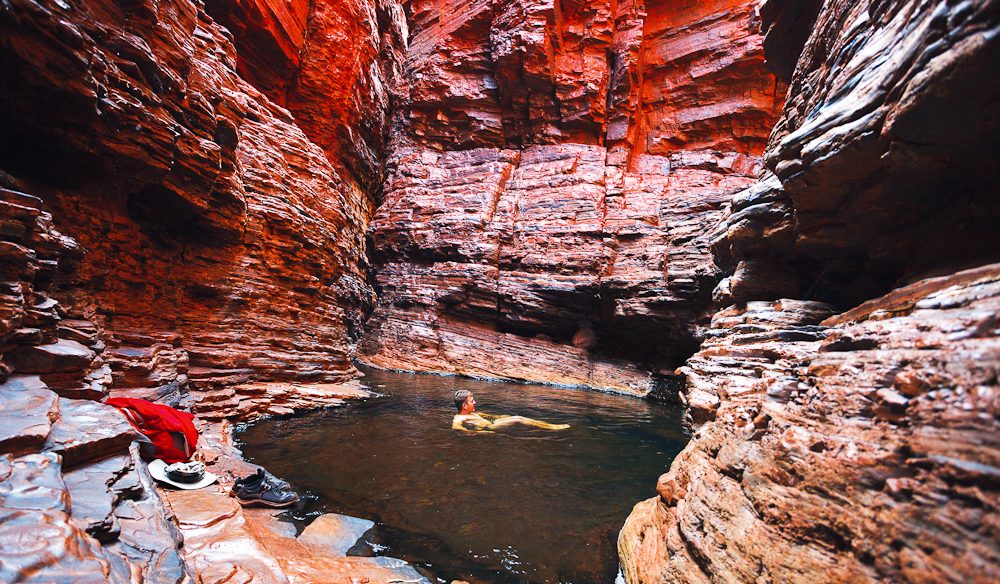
[170,230]
[859,446]
[575,192]
[334,65]
[218,242]
[555,172]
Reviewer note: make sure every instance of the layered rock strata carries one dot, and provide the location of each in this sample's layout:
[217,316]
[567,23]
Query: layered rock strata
[551,189]
[208,255]
[217,243]
[334,65]
[862,447]
[566,183]
[39,339]
[76,503]
[883,158]
[859,446]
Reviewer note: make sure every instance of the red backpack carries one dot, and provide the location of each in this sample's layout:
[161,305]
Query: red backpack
[171,431]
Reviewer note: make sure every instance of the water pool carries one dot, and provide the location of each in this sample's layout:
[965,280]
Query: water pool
[521,505]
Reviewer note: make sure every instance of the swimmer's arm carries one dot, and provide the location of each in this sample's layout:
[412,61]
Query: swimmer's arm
[491,416]
[463,424]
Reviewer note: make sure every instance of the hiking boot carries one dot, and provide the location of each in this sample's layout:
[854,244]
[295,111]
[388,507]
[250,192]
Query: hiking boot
[261,489]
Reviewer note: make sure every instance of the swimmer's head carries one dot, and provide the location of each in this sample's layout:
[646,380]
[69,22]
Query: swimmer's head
[460,398]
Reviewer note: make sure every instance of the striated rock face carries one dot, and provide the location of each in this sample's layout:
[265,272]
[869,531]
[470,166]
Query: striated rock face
[657,76]
[513,248]
[884,153]
[557,173]
[344,90]
[76,501]
[334,65]
[169,231]
[573,192]
[35,336]
[840,440]
[269,37]
[216,241]
[863,447]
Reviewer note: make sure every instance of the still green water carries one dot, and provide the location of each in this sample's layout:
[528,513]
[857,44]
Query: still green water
[521,505]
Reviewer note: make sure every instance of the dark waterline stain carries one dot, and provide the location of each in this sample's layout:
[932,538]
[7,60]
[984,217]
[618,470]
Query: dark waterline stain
[522,505]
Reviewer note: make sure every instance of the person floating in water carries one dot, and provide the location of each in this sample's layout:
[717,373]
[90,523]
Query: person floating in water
[469,420]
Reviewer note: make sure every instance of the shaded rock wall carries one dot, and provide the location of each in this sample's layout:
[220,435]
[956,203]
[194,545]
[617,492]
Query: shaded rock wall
[862,447]
[217,242]
[35,336]
[859,446]
[882,154]
[76,503]
[555,173]
[212,244]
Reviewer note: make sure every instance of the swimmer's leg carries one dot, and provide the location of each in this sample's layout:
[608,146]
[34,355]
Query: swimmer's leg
[545,425]
[510,420]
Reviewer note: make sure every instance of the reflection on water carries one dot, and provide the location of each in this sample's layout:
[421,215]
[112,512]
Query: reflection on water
[521,505]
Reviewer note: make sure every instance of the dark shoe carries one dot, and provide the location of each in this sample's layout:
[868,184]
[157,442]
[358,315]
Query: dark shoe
[261,475]
[276,483]
[261,489]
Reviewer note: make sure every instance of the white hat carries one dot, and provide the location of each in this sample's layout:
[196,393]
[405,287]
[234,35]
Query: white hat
[158,469]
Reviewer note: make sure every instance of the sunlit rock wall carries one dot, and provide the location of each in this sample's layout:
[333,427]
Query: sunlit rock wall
[334,65]
[555,174]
